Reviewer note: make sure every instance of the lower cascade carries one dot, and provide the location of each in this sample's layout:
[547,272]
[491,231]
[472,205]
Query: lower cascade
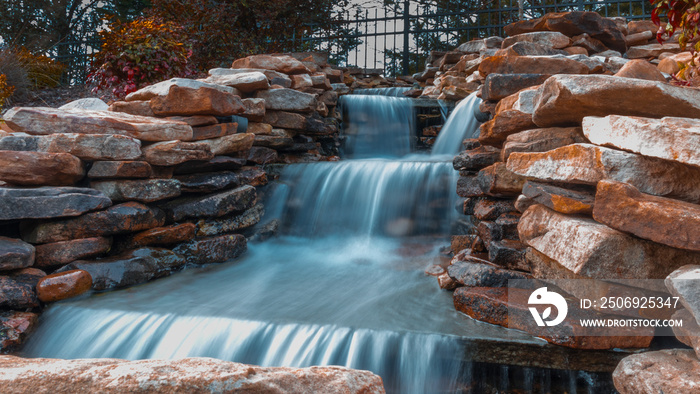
[342,285]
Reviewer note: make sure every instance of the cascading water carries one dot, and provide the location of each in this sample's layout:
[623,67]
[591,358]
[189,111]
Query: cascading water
[342,285]
[397,91]
[460,125]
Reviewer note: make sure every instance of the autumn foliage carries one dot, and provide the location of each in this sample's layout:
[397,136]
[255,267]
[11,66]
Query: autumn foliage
[138,53]
[5,90]
[683,16]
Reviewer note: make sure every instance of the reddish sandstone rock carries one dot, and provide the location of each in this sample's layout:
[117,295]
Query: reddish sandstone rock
[148,190]
[43,121]
[597,251]
[489,209]
[285,120]
[531,65]
[547,38]
[588,164]
[246,82]
[172,234]
[508,307]
[663,220]
[120,169]
[122,218]
[201,101]
[254,110]
[61,253]
[529,49]
[139,108]
[212,205]
[560,199]
[259,128]
[196,120]
[499,86]
[14,328]
[229,144]
[590,44]
[541,140]
[236,222]
[496,131]
[282,63]
[652,50]
[49,202]
[213,131]
[63,285]
[567,99]
[640,69]
[170,153]
[15,254]
[189,375]
[42,169]
[17,289]
[496,180]
[212,249]
[288,100]
[663,371]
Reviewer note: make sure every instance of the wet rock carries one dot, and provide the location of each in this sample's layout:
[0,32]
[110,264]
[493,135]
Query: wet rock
[246,82]
[60,253]
[509,224]
[15,254]
[129,268]
[63,285]
[468,186]
[283,64]
[573,24]
[489,231]
[43,121]
[508,307]
[212,249]
[531,65]
[230,144]
[14,328]
[496,131]
[213,131]
[475,272]
[49,202]
[459,243]
[560,199]
[567,99]
[675,139]
[489,209]
[218,163]
[262,155]
[149,190]
[509,254]
[315,125]
[547,38]
[212,205]
[17,289]
[254,176]
[199,101]
[499,86]
[168,235]
[40,169]
[194,375]
[496,180]
[208,182]
[446,282]
[122,218]
[288,100]
[663,371]
[663,220]
[120,169]
[641,69]
[597,251]
[588,164]
[170,153]
[230,224]
[541,140]
[476,159]
[84,146]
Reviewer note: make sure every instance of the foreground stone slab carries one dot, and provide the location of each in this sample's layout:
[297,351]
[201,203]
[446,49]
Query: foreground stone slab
[61,253]
[560,199]
[541,140]
[49,202]
[63,285]
[212,249]
[17,289]
[122,218]
[676,139]
[189,375]
[531,65]
[594,250]
[567,99]
[492,305]
[200,101]
[89,147]
[149,190]
[40,169]
[43,121]
[663,371]
[14,328]
[283,64]
[288,100]
[663,220]
[245,82]
[15,254]
[129,268]
[213,205]
[589,164]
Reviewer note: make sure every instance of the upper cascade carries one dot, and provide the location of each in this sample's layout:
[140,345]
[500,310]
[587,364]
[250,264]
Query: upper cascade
[460,124]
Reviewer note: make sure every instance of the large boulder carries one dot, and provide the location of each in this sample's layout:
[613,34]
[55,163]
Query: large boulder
[673,371]
[200,101]
[49,202]
[189,375]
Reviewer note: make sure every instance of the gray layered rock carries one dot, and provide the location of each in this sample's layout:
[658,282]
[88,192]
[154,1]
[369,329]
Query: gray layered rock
[49,202]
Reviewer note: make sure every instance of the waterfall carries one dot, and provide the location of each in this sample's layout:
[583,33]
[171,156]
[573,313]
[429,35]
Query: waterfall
[460,125]
[397,91]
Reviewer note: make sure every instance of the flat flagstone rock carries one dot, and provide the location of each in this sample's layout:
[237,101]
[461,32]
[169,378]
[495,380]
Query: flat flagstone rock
[147,190]
[195,120]
[139,108]
[652,50]
[476,159]
[120,169]
[63,285]
[676,139]
[475,272]
[163,88]
[250,217]
[663,371]
[285,120]
[15,254]
[550,39]
[246,82]
[594,250]
[498,86]
[531,65]
[213,131]
[40,169]
[663,220]
[208,182]
[129,268]
[61,253]
[541,140]
[118,219]
[229,144]
[283,64]
[170,153]
[254,110]
[212,205]
[49,202]
[84,146]
[560,199]
[589,164]
[43,121]
[212,249]
[496,131]
[530,49]
[218,163]
[567,99]
[288,100]
[262,155]
[496,180]
[200,101]
[172,234]
[17,289]
[14,328]
[276,142]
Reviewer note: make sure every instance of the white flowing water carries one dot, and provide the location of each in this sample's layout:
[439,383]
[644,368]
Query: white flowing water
[460,125]
[342,285]
[397,91]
